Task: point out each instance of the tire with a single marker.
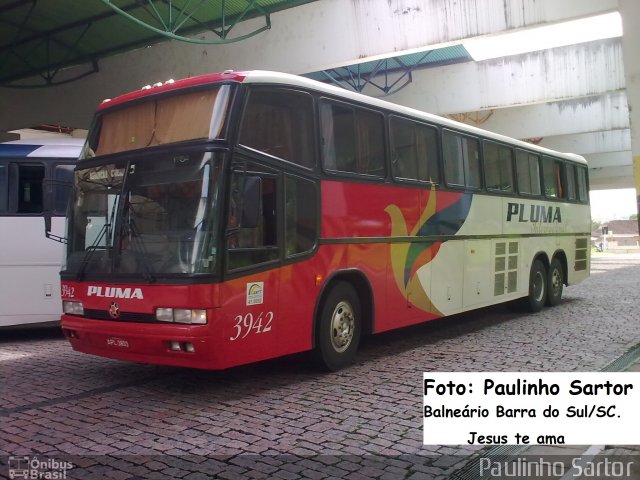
(338, 328)
(555, 282)
(537, 298)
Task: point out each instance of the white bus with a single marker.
(35, 176)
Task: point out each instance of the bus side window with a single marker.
(583, 192)
(414, 151)
(301, 215)
(554, 183)
(498, 167)
(4, 190)
(461, 160)
(339, 134)
(257, 244)
(29, 183)
(528, 173)
(571, 181)
(63, 184)
(352, 140)
(280, 123)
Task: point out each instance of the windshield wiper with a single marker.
(92, 248)
(138, 247)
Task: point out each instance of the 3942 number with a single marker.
(249, 324)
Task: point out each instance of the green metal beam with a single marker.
(170, 28)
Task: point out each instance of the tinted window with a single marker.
(63, 184)
(461, 160)
(528, 172)
(571, 181)
(352, 140)
(280, 123)
(30, 192)
(301, 215)
(414, 150)
(254, 244)
(554, 186)
(498, 167)
(4, 190)
(583, 192)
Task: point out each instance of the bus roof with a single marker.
(42, 148)
(277, 78)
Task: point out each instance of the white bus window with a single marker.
(63, 183)
(498, 167)
(583, 192)
(280, 123)
(461, 160)
(571, 181)
(4, 190)
(554, 186)
(528, 173)
(414, 151)
(30, 179)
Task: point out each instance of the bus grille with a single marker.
(124, 316)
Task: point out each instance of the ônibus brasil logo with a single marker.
(114, 292)
(40, 468)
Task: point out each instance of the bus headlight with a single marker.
(182, 315)
(199, 317)
(164, 314)
(72, 308)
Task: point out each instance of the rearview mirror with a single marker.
(47, 228)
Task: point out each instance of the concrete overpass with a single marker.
(573, 98)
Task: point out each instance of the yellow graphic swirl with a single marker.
(402, 265)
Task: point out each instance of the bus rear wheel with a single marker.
(537, 287)
(555, 282)
(339, 327)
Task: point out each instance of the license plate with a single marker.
(117, 342)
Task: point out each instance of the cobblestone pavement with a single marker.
(282, 419)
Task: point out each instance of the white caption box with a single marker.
(547, 408)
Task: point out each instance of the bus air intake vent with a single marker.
(581, 254)
(124, 316)
(505, 268)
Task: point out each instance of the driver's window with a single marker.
(252, 244)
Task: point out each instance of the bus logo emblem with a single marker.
(255, 293)
(114, 310)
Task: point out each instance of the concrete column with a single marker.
(630, 10)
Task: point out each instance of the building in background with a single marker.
(620, 235)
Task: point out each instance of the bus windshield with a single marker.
(144, 218)
(181, 117)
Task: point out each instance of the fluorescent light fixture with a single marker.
(534, 39)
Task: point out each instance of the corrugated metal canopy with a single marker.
(390, 74)
(41, 37)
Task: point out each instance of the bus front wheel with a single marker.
(339, 326)
(555, 282)
(537, 287)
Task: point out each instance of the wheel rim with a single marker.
(538, 286)
(342, 327)
(556, 281)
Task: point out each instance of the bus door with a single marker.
(250, 294)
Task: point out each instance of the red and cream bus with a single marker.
(235, 217)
